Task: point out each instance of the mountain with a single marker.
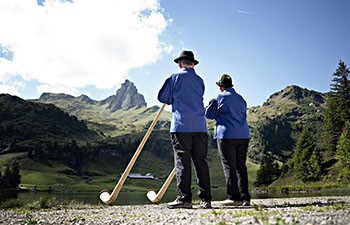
(126, 98)
(23, 121)
(122, 113)
(85, 99)
(276, 125)
(275, 128)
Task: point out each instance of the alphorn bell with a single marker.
(105, 195)
(156, 197)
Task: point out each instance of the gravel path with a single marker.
(312, 210)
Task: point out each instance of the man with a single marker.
(232, 134)
(184, 91)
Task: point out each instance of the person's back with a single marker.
(187, 106)
(231, 122)
(184, 91)
(232, 136)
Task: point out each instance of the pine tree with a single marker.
(268, 172)
(338, 108)
(15, 175)
(12, 177)
(314, 167)
(343, 147)
(301, 158)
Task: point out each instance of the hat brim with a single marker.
(185, 57)
(223, 85)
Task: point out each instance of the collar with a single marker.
(187, 69)
(230, 89)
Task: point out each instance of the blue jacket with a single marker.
(230, 112)
(184, 91)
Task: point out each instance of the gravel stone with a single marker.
(311, 210)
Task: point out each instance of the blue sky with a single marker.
(264, 45)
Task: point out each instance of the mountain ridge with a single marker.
(275, 128)
(122, 113)
(278, 122)
(126, 97)
(275, 125)
(26, 121)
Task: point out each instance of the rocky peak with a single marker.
(85, 99)
(45, 97)
(127, 97)
(296, 94)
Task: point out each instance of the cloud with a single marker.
(69, 45)
(246, 12)
(8, 89)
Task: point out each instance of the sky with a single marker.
(91, 46)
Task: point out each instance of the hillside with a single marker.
(277, 124)
(98, 161)
(122, 113)
(23, 123)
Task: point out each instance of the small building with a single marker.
(139, 176)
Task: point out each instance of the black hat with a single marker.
(186, 55)
(225, 81)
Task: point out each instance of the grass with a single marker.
(325, 208)
(6, 158)
(51, 174)
(290, 183)
(27, 205)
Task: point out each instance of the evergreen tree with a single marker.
(314, 167)
(13, 145)
(12, 177)
(6, 177)
(15, 175)
(302, 155)
(338, 108)
(268, 172)
(343, 148)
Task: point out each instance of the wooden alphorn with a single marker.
(156, 197)
(105, 195)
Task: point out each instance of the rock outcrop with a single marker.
(127, 97)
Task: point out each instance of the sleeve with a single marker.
(211, 110)
(165, 94)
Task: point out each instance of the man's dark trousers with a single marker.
(233, 153)
(187, 147)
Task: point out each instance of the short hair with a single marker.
(187, 62)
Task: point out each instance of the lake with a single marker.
(139, 198)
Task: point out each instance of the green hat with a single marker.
(225, 81)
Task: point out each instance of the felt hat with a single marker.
(225, 81)
(186, 55)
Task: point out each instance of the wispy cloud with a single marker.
(66, 45)
(246, 12)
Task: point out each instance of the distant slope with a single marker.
(123, 113)
(24, 121)
(277, 124)
(103, 164)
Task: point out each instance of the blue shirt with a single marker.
(230, 112)
(184, 91)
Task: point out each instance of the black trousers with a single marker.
(191, 147)
(233, 153)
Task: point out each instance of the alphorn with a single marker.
(105, 195)
(156, 197)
